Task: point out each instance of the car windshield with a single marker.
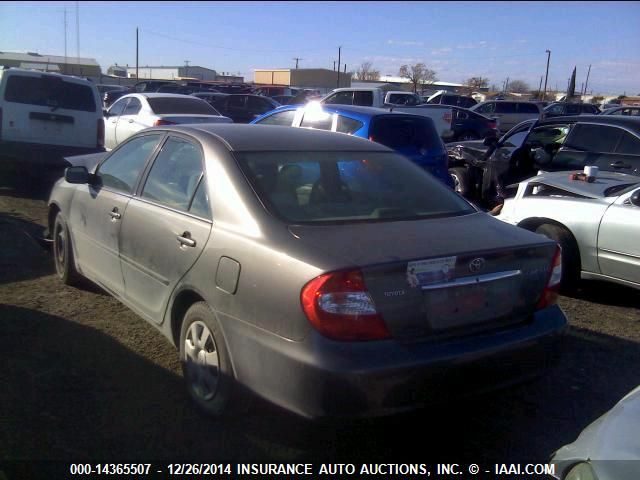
(347, 187)
(177, 105)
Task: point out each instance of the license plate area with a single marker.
(471, 304)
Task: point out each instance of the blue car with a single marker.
(413, 136)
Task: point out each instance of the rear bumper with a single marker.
(320, 377)
(42, 155)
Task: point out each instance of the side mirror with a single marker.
(105, 113)
(635, 198)
(490, 141)
(77, 175)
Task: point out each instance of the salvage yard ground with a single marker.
(84, 378)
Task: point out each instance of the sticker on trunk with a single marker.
(427, 272)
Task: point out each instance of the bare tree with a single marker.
(417, 74)
(519, 86)
(477, 83)
(366, 72)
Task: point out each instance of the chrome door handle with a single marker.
(114, 214)
(186, 240)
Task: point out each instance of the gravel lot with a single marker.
(85, 378)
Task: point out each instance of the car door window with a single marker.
(133, 107)
(175, 174)
(236, 102)
(486, 108)
(120, 170)
(364, 99)
(527, 108)
(200, 203)
(340, 98)
(555, 109)
(573, 109)
(280, 118)
(594, 138)
(629, 144)
(118, 107)
(461, 115)
(258, 105)
(516, 137)
(317, 121)
(505, 107)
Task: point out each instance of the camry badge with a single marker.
(476, 265)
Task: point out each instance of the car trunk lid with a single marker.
(481, 274)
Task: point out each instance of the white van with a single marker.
(46, 116)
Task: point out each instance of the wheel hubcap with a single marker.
(202, 362)
(60, 239)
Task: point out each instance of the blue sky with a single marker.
(456, 39)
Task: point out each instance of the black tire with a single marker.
(468, 135)
(570, 255)
(461, 180)
(63, 253)
(213, 388)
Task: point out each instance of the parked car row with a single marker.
(483, 169)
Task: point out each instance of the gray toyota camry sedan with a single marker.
(323, 272)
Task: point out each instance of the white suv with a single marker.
(46, 116)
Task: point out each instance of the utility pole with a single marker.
(587, 81)
(506, 85)
(137, 54)
(186, 68)
(334, 65)
(546, 76)
(540, 86)
(338, 82)
(297, 59)
(78, 30)
(65, 41)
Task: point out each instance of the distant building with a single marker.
(191, 72)
(321, 78)
(81, 67)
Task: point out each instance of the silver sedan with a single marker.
(323, 272)
(597, 224)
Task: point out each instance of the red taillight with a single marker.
(447, 117)
(493, 125)
(159, 123)
(100, 139)
(339, 306)
(550, 293)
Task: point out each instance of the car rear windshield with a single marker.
(399, 132)
(48, 91)
(165, 105)
(347, 187)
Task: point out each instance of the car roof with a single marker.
(349, 110)
(246, 137)
(629, 122)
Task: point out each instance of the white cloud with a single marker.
(441, 51)
(404, 42)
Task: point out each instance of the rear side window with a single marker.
(629, 144)
(118, 107)
(280, 118)
(348, 125)
(46, 91)
(236, 101)
(527, 108)
(340, 98)
(167, 105)
(594, 138)
(200, 202)
(320, 122)
(400, 132)
(505, 107)
(121, 169)
(175, 174)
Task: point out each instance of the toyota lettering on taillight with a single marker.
(339, 306)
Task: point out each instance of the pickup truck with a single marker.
(442, 115)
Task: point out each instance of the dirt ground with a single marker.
(84, 378)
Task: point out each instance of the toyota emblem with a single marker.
(476, 265)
